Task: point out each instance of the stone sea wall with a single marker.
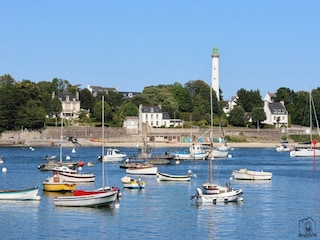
(52, 135)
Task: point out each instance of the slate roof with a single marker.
(277, 108)
(63, 96)
(151, 109)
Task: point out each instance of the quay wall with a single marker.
(50, 135)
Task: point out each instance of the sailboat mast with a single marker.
(310, 116)
(61, 139)
(146, 142)
(102, 141)
(211, 134)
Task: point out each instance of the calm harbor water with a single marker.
(281, 208)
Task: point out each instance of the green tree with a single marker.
(258, 115)
(140, 99)
(55, 108)
(8, 107)
(114, 99)
(316, 99)
(249, 99)
(288, 97)
(300, 116)
(97, 111)
(182, 97)
(161, 95)
(129, 109)
(125, 110)
(46, 92)
(31, 116)
(87, 101)
(6, 80)
(200, 94)
(60, 85)
(236, 117)
(27, 90)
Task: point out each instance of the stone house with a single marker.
(70, 105)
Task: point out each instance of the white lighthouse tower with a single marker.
(215, 72)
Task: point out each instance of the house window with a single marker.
(151, 116)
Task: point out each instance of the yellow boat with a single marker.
(55, 184)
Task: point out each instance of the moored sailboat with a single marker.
(104, 196)
(310, 151)
(211, 192)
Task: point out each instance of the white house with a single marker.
(230, 105)
(156, 117)
(276, 112)
(70, 105)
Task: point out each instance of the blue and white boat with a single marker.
(196, 152)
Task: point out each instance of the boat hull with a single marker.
(59, 187)
(284, 148)
(52, 166)
(142, 170)
(305, 152)
(169, 177)
(244, 174)
(23, 194)
(113, 155)
(196, 152)
(188, 156)
(219, 154)
(55, 184)
(77, 177)
(97, 199)
(113, 159)
(229, 196)
(132, 183)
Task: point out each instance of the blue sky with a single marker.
(130, 44)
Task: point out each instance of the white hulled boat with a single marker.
(245, 174)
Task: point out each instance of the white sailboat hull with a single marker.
(305, 152)
(244, 174)
(228, 196)
(219, 153)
